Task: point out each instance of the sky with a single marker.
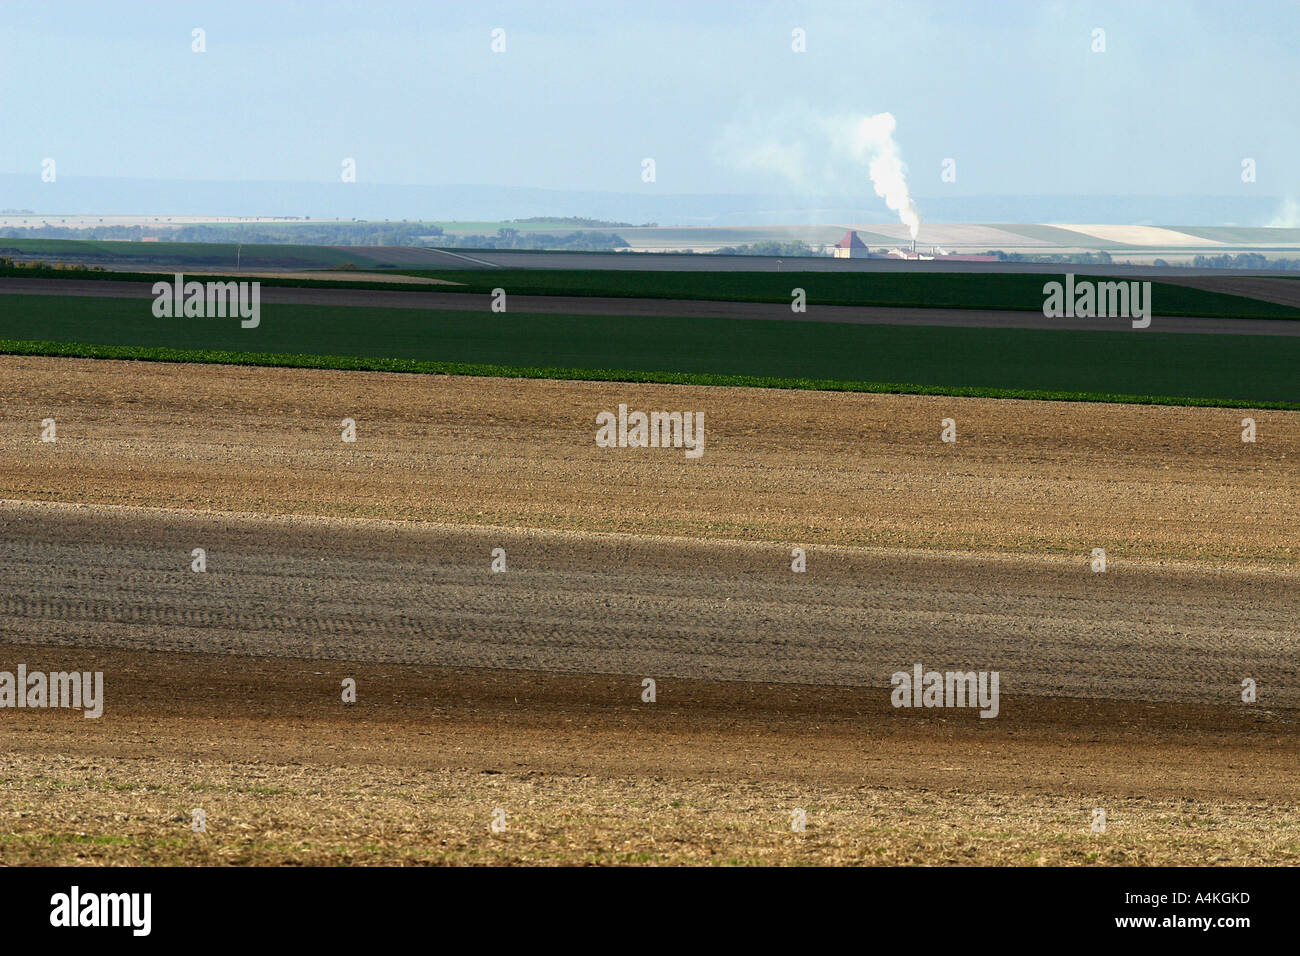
(1013, 93)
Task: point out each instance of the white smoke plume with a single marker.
(819, 153)
(1288, 217)
(873, 140)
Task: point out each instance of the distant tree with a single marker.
(793, 249)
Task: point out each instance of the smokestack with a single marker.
(913, 247)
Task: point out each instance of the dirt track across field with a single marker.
(522, 690)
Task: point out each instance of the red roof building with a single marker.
(850, 247)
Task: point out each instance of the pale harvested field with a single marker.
(1152, 236)
(326, 560)
(968, 237)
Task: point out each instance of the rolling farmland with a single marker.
(329, 561)
(370, 561)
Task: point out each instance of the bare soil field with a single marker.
(522, 691)
(364, 590)
(586, 773)
(1265, 288)
(809, 468)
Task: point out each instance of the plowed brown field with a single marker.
(523, 690)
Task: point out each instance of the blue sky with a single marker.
(585, 91)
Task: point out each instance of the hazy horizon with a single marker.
(1009, 100)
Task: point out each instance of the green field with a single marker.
(960, 290)
(920, 289)
(146, 274)
(189, 253)
(1206, 369)
(1002, 291)
(163, 255)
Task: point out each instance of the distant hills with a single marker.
(84, 195)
